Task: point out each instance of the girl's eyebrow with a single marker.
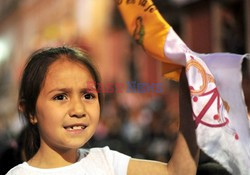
(60, 90)
(87, 89)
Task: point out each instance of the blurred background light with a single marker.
(5, 47)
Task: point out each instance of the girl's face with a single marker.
(67, 113)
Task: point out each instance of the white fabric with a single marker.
(96, 161)
(219, 109)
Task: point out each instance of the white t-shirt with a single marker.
(96, 161)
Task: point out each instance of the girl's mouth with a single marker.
(74, 127)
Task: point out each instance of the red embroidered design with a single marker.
(206, 98)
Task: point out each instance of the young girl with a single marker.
(62, 112)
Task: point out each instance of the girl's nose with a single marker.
(77, 108)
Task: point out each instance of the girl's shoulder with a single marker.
(18, 169)
(103, 153)
(25, 168)
(100, 159)
(106, 159)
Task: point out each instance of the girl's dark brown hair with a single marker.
(32, 81)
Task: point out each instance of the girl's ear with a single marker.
(21, 107)
(33, 119)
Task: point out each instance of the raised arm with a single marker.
(186, 152)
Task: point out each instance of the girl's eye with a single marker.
(60, 97)
(89, 96)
